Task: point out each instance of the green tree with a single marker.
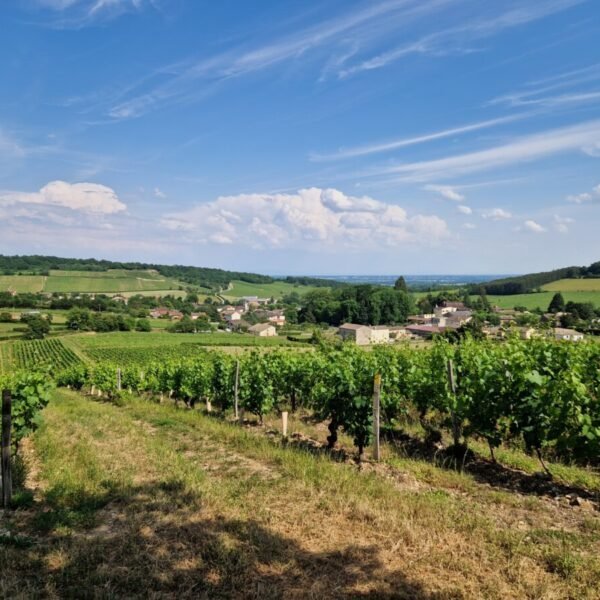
(143, 325)
(557, 304)
(400, 284)
(37, 328)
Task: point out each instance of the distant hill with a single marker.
(214, 279)
(522, 284)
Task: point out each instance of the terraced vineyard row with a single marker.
(36, 354)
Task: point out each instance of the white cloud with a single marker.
(314, 217)
(465, 210)
(526, 148)
(579, 198)
(592, 149)
(585, 196)
(420, 139)
(496, 214)
(159, 193)
(446, 191)
(453, 39)
(533, 226)
(85, 197)
(561, 224)
(79, 13)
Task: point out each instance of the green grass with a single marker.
(22, 283)
(574, 285)
(109, 281)
(145, 500)
(276, 289)
(542, 299)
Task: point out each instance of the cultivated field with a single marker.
(22, 283)
(112, 281)
(276, 289)
(574, 285)
(542, 299)
(146, 500)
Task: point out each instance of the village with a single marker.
(256, 316)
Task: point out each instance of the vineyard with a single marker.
(540, 395)
(36, 354)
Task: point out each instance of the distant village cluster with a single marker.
(452, 316)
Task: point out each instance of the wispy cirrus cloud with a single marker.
(378, 147)
(80, 13)
(199, 78)
(525, 148)
(458, 38)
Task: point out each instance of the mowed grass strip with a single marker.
(146, 500)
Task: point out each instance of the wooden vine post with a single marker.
(284, 423)
(376, 415)
(119, 380)
(452, 385)
(5, 453)
(236, 387)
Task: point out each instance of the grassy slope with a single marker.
(22, 283)
(574, 285)
(266, 290)
(542, 299)
(149, 501)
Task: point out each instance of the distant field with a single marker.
(573, 285)
(146, 341)
(542, 299)
(276, 289)
(22, 283)
(113, 281)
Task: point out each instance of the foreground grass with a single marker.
(146, 500)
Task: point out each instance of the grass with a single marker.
(542, 299)
(146, 500)
(574, 285)
(22, 283)
(276, 289)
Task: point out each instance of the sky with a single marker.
(305, 136)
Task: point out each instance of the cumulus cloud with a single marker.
(585, 196)
(533, 226)
(445, 191)
(315, 216)
(159, 193)
(496, 214)
(561, 224)
(465, 210)
(84, 197)
(579, 198)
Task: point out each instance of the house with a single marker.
(380, 334)
(422, 319)
(449, 307)
(363, 335)
(276, 317)
(527, 333)
(359, 334)
(166, 313)
(263, 330)
(397, 333)
(424, 331)
(571, 335)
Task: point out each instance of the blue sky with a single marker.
(320, 137)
